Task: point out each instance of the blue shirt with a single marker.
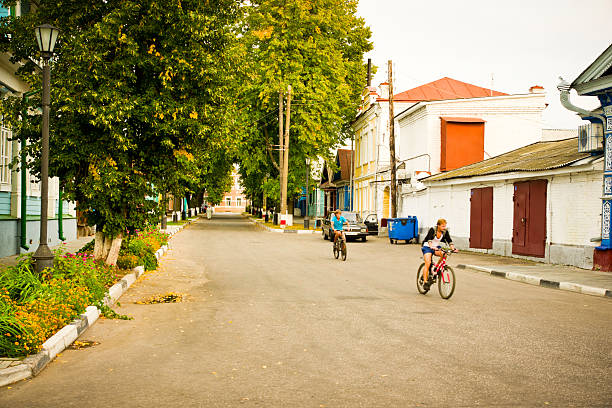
(338, 223)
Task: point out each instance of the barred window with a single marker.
(5, 156)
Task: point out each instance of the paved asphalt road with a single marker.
(272, 320)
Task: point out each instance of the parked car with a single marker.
(371, 222)
(357, 229)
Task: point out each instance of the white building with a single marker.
(442, 135)
(439, 126)
(535, 202)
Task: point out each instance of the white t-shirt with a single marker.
(435, 242)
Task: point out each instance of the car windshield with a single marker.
(351, 217)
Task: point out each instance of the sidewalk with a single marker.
(547, 275)
(74, 245)
(69, 246)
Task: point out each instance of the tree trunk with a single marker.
(107, 245)
(99, 245)
(114, 247)
(164, 219)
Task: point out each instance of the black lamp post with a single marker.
(46, 35)
(307, 218)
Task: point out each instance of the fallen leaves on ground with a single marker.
(77, 345)
(169, 297)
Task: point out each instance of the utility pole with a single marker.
(392, 145)
(280, 149)
(283, 204)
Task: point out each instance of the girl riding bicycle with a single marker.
(431, 246)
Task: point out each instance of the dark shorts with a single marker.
(428, 250)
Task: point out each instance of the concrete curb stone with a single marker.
(33, 364)
(537, 281)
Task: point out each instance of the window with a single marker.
(228, 201)
(5, 156)
(239, 202)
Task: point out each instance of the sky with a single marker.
(520, 43)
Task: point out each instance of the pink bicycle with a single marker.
(441, 273)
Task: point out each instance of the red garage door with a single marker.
(481, 218)
(529, 232)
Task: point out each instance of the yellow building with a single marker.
(371, 129)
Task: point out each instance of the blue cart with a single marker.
(403, 229)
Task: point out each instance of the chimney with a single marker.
(384, 90)
(537, 89)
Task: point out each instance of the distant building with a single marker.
(336, 184)
(234, 201)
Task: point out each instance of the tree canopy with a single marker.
(317, 47)
(137, 89)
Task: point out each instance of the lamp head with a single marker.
(46, 36)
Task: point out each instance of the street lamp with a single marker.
(306, 218)
(46, 35)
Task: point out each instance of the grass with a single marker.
(180, 222)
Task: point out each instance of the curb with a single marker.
(282, 231)
(537, 281)
(33, 364)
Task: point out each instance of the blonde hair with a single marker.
(441, 221)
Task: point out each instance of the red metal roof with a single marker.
(445, 88)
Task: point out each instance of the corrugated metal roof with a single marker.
(444, 88)
(535, 157)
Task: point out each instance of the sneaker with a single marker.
(426, 285)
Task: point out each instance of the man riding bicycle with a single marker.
(337, 225)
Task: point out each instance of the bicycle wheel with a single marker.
(336, 251)
(446, 283)
(343, 251)
(419, 280)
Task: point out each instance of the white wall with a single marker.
(510, 122)
(571, 224)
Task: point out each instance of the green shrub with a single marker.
(127, 261)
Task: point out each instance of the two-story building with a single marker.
(439, 126)
(234, 201)
(371, 137)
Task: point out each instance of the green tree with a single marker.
(317, 47)
(137, 87)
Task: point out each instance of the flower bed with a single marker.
(34, 306)
(139, 249)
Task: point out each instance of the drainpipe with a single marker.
(24, 208)
(60, 217)
(564, 89)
